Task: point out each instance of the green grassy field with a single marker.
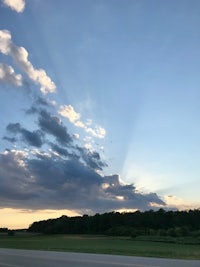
(101, 244)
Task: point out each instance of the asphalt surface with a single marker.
(33, 258)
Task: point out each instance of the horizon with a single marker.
(100, 214)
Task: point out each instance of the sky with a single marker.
(99, 104)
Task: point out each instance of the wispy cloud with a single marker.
(74, 117)
(20, 56)
(16, 5)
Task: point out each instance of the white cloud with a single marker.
(91, 131)
(5, 42)
(74, 117)
(39, 153)
(52, 102)
(89, 143)
(16, 5)
(88, 122)
(8, 75)
(69, 112)
(76, 136)
(99, 132)
(80, 124)
(87, 139)
(88, 146)
(20, 56)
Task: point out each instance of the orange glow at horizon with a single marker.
(21, 219)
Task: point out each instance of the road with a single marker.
(33, 258)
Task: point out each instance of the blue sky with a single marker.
(105, 96)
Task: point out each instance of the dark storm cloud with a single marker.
(49, 181)
(127, 195)
(52, 125)
(31, 110)
(56, 173)
(49, 123)
(92, 158)
(42, 101)
(64, 152)
(13, 127)
(10, 139)
(15, 182)
(34, 138)
(60, 150)
(38, 102)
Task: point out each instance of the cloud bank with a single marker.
(53, 171)
(43, 181)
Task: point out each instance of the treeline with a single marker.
(161, 222)
(7, 231)
(3, 230)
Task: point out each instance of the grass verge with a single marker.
(101, 244)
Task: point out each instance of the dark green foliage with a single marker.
(3, 230)
(151, 223)
(11, 232)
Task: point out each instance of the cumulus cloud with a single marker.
(92, 159)
(98, 132)
(15, 182)
(16, 5)
(8, 75)
(69, 112)
(59, 150)
(20, 56)
(53, 125)
(74, 117)
(34, 138)
(48, 181)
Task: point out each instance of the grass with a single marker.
(101, 244)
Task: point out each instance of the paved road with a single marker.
(32, 258)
